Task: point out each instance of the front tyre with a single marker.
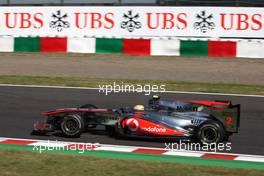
(210, 132)
(72, 125)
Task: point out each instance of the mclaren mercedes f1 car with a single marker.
(202, 121)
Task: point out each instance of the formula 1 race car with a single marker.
(203, 121)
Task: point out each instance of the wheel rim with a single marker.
(209, 134)
(71, 126)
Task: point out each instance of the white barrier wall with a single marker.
(165, 47)
(81, 45)
(253, 49)
(6, 44)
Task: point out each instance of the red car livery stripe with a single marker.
(207, 103)
(59, 111)
(145, 127)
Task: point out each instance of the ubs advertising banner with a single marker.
(132, 21)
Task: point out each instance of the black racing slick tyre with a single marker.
(72, 125)
(210, 132)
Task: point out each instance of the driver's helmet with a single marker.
(139, 108)
(155, 97)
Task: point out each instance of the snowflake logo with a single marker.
(59, 21)
(130, 21)
(204, 22)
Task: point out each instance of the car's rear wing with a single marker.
(228, 115)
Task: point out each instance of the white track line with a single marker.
(92, 88)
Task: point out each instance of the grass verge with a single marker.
(27, 163)
(170, 85)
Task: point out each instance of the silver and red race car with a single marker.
(203, 121)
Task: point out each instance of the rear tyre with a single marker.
(210, 132)
(72, 126)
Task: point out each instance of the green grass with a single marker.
(170, 85)
(26, 163)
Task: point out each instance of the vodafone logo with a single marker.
(155, 130)
(132, 124)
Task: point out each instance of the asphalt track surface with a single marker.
(246, 71)
(21, 106)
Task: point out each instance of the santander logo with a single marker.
(132, 124)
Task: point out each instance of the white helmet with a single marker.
(139, 108)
